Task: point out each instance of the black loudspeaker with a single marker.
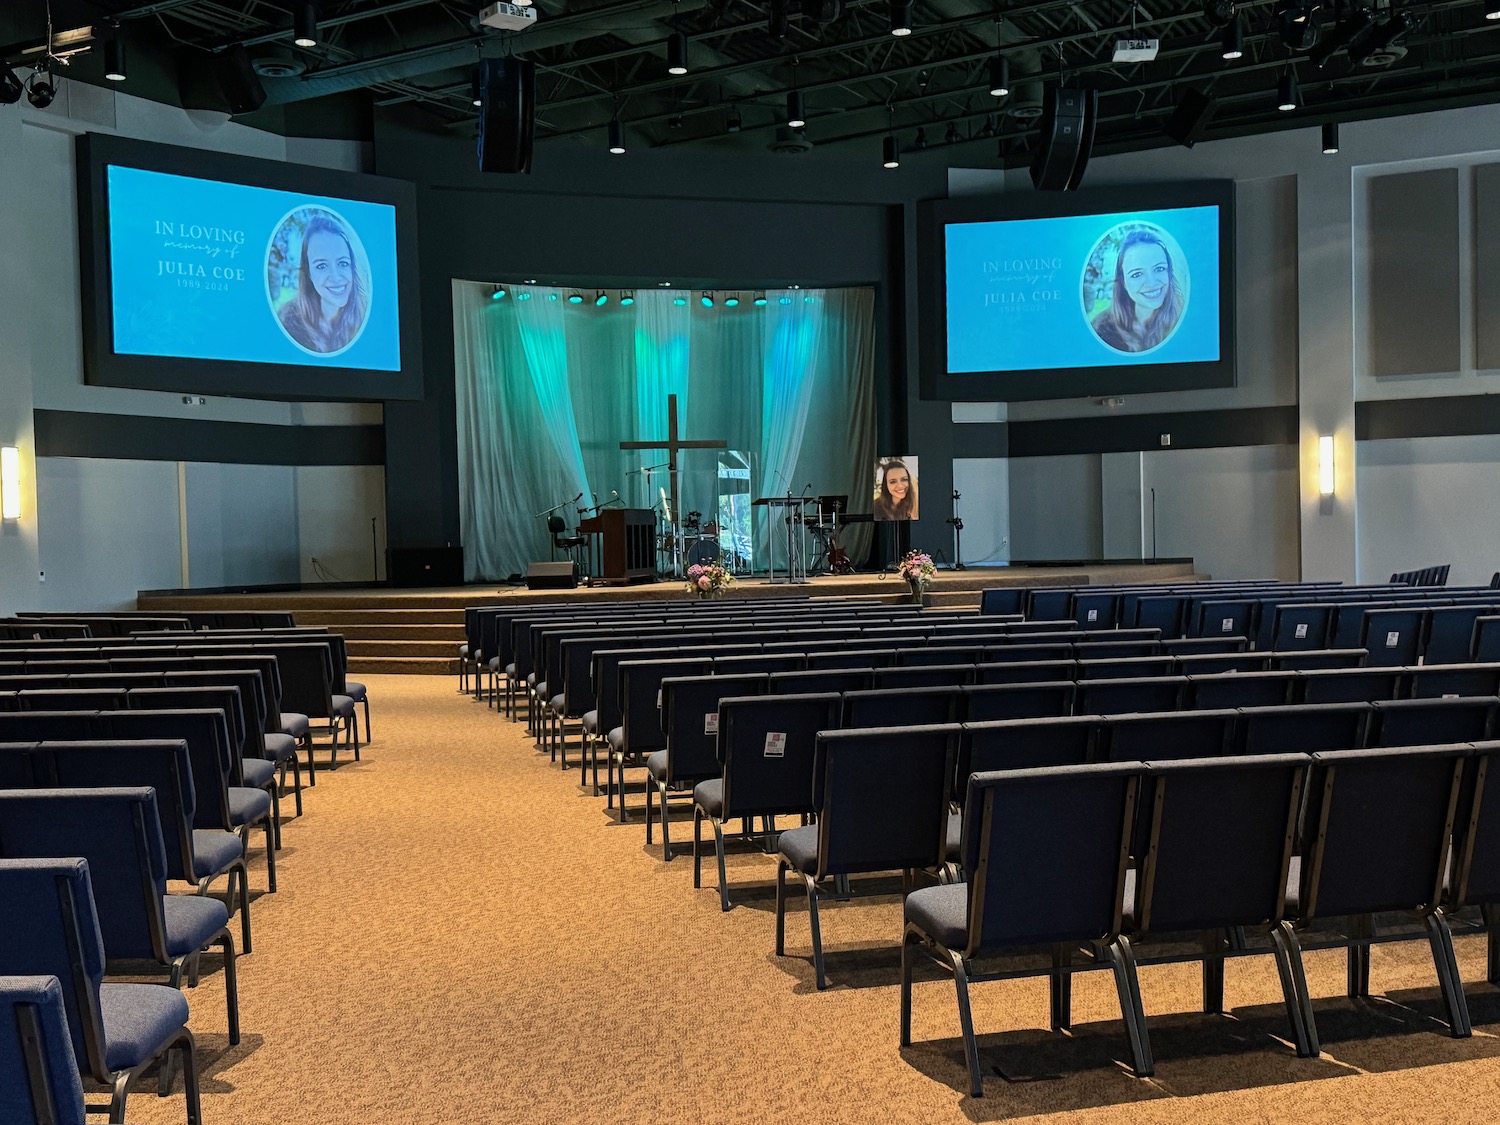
(552, 576)
(1067, 138)
(1191, 117)
(225, 81)
(507, 115)
(425, 566)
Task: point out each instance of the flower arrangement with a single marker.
(919, 571)
(708, 581)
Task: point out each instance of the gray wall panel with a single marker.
(1487, 266)
(1412, 249)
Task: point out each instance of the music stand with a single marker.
(796, 568)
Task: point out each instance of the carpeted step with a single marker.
(403, 666)
(435, 615)
(447, 650)
(453, 633)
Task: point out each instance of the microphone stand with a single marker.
(958, 534)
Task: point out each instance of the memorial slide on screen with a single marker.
(201, 269)
(1138, 287)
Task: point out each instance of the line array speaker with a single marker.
(1067, 138)
(507, 114)
(220, 82)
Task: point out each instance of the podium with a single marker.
(796, 568)
(629, 550)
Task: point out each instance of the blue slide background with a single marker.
(1022, 330)
(230, 318)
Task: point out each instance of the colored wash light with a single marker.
(575, 299)
(551, 296)
(679, 300)
(731, 301)
(708, 301)
(523, 296)
(601, 300)
(498, 294)
(761, 300)
(627, 299)
(786, 300)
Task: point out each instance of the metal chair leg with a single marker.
(817, 931)
(1129, 988)
(1294, 989)
(966, 1023)
(1449, 981)
(1062, 988)
(908, 940)
(718, 828)
(780, 909)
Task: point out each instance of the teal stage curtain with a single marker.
(548, 389)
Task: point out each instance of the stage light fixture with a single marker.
(498, 293)
(999, 76)
(601, 299)
(11, 88)
(627, 297)
(575, 298)
(1382, 38)
(1234, 40)
(679, 301)
(778, 19)
(1492, 9)
(921, 141)
(1341, 37)
(708, 300)
(1330, 137)
(1287, 95)
(734, 122)
(40, 90)
(796, 112)
(807, 300)
(900, 17)
(1299, 23)
(616, 137)
(677, 53)
(731, 301)
(783, 300)
(305, 30)
(760, 300)
(114, 56)
(523, 296)
(551, 296)
(892, 153)
(10, 483)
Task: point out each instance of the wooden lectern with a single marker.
(629, 552)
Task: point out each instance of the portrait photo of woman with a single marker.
(318, 281)
(896, 488)
(1135, 287)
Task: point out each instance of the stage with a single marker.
(418, 630)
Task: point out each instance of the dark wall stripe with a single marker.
(134, 437)
(1382, 419)
(981, 439)
(1126, 433)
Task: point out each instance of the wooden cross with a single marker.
(672, 445)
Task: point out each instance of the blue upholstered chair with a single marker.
(39, 1083)
(117, 1030)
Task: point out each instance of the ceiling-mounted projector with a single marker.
(1136, 50)
(508, 17)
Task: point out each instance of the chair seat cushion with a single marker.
(941, 912)
(591, 722)
(293, 724)
(355, 691)
(656, 765)
(258, 772)
(192, 922)
(709, 796)
(246, 806)
(510, 669)
(800, 847)
(342, 706)
(540, 689)
(139, 1019)
(558, 704)
(215, 850)
(280, 747)
(616, 738)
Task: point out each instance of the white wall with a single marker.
(102, 529)
(1056, 508)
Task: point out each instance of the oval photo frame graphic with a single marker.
(283, 258)
(1097, 282)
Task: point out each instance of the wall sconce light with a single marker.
(1325, 465)
(10, 483)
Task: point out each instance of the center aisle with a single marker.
(464, 936)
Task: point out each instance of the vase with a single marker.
(917, 587)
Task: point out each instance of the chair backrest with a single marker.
(1013, 653)
(1486, 644)
(118, 832)
(1016, 744)
(1025, 671)
(817, 680)
(1129, 667)
(1300, 626)
(940, 654)
(38, 1070)
(1476, 836)
(1116, 697)
(1319, 658)
(1438, 681)
(1221, 833)
(1164, 613)
(1450, 633)
(60, 939)
(1241, 689)
(930, 675)
(206, 733)
(882, 798)
(1392, 637)
(1303, 728)
(690, 715)
(1049, 605)
(1097, 609)
(984, 703)
(1349, 685)
(851, 658)
(1006, 599)
(1426, 722)
(641, 698)
(1046, 853)
(165, 766)
(767, 746)
(1379, 823)
(759, 662)
(1173, 735)
(71, 699)
(1231, 617)
(900, 707)
(1214, 663)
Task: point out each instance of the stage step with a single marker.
(435, 615)
(362, 632)
(402, 666)
(444, 650)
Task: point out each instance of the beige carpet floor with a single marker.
(463, 935)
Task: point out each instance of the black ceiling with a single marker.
(600, 58)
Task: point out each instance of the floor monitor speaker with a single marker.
(507, 114)
(1191, 117)
(1067, 138)
(552, 576)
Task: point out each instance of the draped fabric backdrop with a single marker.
(547, 391)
